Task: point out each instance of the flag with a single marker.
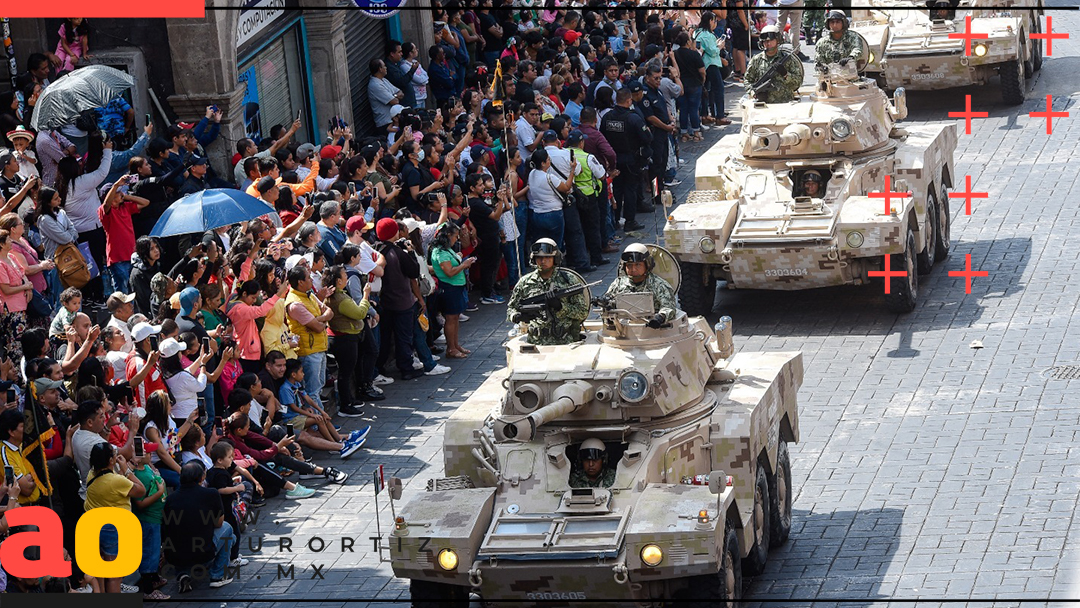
(497, 91)
(36, 433)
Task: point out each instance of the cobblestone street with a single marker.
(937, 458)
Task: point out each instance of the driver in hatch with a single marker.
(811, 184)
(594, 472)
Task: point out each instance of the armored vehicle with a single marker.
(698, 473)
(751, 223)
(911, 47)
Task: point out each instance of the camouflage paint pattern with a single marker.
(920, 55)
(522, 535)
(750, 228)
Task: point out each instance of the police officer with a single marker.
(593, 472)
(560, 321)
(841, 45)
(784, 82)
(629, 136)
(636, 276)
(655, 109)
(812, 184)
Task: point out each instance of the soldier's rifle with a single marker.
(549, 302)
(778, 68)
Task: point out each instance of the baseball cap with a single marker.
(546, 116)
(187, 300)
(411, 224)
(118, 299)
(44, 384)
(575, 138)
(305, 151)
(329, 151)
(197, 160)
(550, 135)
(144, 330)
(651, 50)
(570, 37)
(265, 184)
(295, 259)
(172, 346)
(397, 109)
(357, 223)
(635, 86)
(478, 150)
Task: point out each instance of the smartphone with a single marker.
(219, 422)
(148, 119)
(206, 344)
(299, 113)
(11, 395)
(214, 108)
(202, 411)
(140, 451)
(289, 431)
(9, 476)
(154, 342)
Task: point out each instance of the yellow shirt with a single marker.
(310, 341)
(12, 457)
(275, 332)
(111, 490)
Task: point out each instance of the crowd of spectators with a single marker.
(203, 373)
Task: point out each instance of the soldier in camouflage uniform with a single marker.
(636, 276)
(593, 472)
(560, 321)
(813, 19)
(785, 81)
(841, 45)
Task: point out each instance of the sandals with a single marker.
(454, 354)
(685, 138)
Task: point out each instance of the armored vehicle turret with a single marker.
(695, 483)
(794, 200)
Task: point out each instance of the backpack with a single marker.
(72, 266)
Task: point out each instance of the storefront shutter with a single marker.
(365, 39)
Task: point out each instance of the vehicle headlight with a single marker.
(872, 57)
(651, 555)
(448, 559)
(841, 129)
(855, 239)
(633, 386)
(707, 244)
(980, 50)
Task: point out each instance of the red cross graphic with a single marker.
(888, 195)
(1049, 36)
(968, 274)
(967, 115)
(1049, 115)
(968, 36)
(888, 274)
(968, 195)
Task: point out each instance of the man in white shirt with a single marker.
(577, 256)
(525, 127)
(119, 305)
(382, 94)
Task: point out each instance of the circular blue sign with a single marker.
(380, 9)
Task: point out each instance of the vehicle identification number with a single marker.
(930, 76)
(786, 272)
(555, 595)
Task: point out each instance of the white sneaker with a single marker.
(416, 364)
(438, 370)
(126, 588)
(381, 379)
(462, 318)
(239, 561)
(435, 357)
(441, 339)
(219, 583)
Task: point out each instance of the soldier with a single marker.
(784, 80)
(941, 11)
(594, 472)
(841, 45)
(636, 276)
(560, 321)
(811, 184)
(814, 19)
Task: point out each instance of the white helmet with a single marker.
(592, 449)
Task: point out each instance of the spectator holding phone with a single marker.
(115, 216)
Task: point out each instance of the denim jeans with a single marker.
(117, 275)
(510, 254)
(690, 110)
(549, 225)
(52, 296)
(420, 345)
(714, 102)
(151, 552)
(314, 375)
(224, 539)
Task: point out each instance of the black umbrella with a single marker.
(73, 93)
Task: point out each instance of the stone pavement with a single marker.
(927, 468)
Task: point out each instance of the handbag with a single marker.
(570, 198)
(38, 308)
(71, 265)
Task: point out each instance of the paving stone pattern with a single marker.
(927, 469)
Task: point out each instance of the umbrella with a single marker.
(84, 89)
(207, 210)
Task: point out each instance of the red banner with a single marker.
(106, 9)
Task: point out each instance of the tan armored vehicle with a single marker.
(911, 47)
(696, 441)
(753, 222)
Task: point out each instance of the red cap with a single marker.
(386, 229)
(329, 151)
(235, 159)
(356, 223)
(571, 36)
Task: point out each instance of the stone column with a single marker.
(329, 71)
(418, 28)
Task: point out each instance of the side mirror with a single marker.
(717, 481)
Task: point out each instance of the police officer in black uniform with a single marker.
(630, 136)
(655, 109)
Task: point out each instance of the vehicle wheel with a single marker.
(721, 589)
(1029, 64)
(1012, 83)
(696, 294)
(760, 521)
(1036, 51)
(904, 293)
(426, 594)
(944, 232)
(926, 257)
(780, 492)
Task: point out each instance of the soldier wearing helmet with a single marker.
(784, 80)
(560, 321)
(636, 276)
(593, 472)
(941, 10)
(812, 184)
(841, 45)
